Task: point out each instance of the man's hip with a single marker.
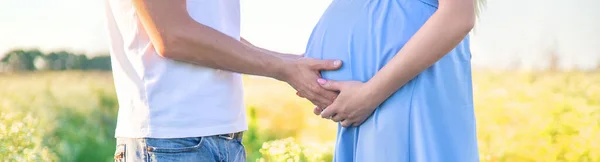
(217, 148)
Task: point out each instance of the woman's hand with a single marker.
(352, 106)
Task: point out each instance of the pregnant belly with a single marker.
(362, 51)
(360, 58)
(364, 38)
(335, 51)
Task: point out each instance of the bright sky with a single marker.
(509, 30)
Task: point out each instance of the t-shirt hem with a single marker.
(182, 132)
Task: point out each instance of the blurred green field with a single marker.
(521, 116)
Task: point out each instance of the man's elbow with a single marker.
(165, 51)
(169, 46)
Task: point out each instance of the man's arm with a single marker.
(281, 55)
(175, 35)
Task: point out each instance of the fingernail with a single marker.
(321, 81)
(337, 62)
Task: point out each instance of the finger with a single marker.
(316, 97)
(319, 101)
(330, 84)
(329, 111)
(356, 124)
(329, 95)
(325, 64)
(317, 110)
(320, 104)
(300, 94)
(338, 117)
(346, 123)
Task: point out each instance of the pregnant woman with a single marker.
(405, 82)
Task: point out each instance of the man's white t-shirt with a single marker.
(163, 98)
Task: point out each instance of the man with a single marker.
(175, 66)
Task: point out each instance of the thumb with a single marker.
(327, 64)
(330, 84)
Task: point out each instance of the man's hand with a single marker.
(301, 73)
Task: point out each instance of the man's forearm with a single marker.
(201, 45)
(282, 55)
(176, 35)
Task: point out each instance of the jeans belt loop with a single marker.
(228, 136)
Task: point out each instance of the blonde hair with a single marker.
(479, 5)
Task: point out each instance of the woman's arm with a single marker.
(438, 36)
(446, 28)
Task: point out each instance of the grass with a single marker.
(521, 116)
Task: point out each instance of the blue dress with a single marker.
(429, 119)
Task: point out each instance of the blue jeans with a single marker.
(201, 149)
